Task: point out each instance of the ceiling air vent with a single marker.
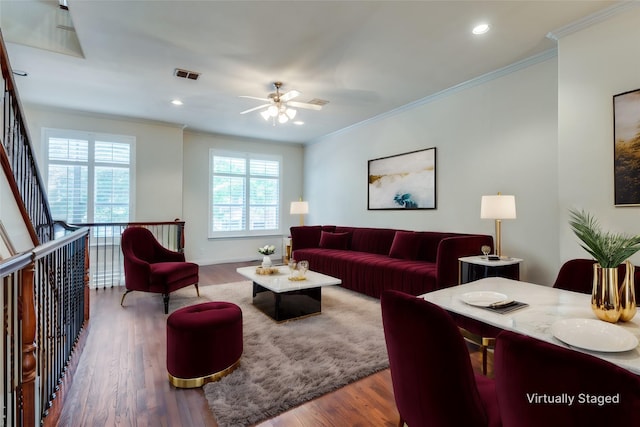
(186, 74)
(317, 101)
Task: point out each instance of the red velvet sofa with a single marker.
(370, 260)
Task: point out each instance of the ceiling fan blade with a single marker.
(255, 97)
(289, 95)
(255, 108)
(304, 105)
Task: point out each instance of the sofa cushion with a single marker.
(405, 245)
(330, 240)
(372, 240)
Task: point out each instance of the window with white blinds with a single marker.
(89, 176)
(244, 194)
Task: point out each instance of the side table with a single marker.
(478, 267)
(286, 249)
(475, 268)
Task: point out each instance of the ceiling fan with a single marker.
(278, 105)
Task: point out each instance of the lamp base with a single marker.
(498, 238)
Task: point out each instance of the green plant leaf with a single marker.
(609, 249)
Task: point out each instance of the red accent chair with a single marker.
(528, 371)
(150, 267)
(433, 381)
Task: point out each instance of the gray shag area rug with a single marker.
(286, 364)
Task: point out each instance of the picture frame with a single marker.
(404, 181)
(7, 250)
(626, 148)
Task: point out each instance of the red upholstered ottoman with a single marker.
(204, 343)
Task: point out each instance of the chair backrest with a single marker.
(139, 242)
(433, 380)
(535, 381)
(577, 275)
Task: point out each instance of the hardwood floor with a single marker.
(121, 379)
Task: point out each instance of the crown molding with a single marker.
(496, 74)
(555, 35)
(592, 19)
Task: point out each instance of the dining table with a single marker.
(549, 314)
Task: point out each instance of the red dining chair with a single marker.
(433, 381)
(535, 381)
(150, 267)
(577, 275)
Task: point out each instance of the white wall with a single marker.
(543, 133)
(198, 246)
(172, 176)
(498, 136)
(594, 64)
(158, 192)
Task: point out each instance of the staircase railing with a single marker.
(18, 160)
(44, 297)
(51, 281)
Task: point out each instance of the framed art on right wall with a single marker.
(626, 148)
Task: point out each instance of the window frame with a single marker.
(246, 232)
(92, 164)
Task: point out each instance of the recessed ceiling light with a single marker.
(298, 122)
(481, 29)
(176, 102)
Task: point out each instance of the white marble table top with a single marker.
(483, 260)
(279, 282)
(546, 305)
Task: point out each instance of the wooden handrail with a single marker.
(15, 263)
(16, 152)
(13, 185)
(128, 224)
(49, 247)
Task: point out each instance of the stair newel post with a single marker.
(27, 315)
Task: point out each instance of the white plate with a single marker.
(595, 335)
(483, 298)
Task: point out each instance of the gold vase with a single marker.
(627, 294)
(605, 299)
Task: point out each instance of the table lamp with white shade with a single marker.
(299, 208)
(498, 207)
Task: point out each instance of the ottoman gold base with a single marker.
(199, 382)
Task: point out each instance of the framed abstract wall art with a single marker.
(403, 181)
(626, 146)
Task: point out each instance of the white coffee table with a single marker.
(283, 299)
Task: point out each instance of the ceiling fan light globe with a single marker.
(265, 114)
(272, 110)
(291, 113)
(282, 118)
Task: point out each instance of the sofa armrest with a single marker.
(452, 248)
